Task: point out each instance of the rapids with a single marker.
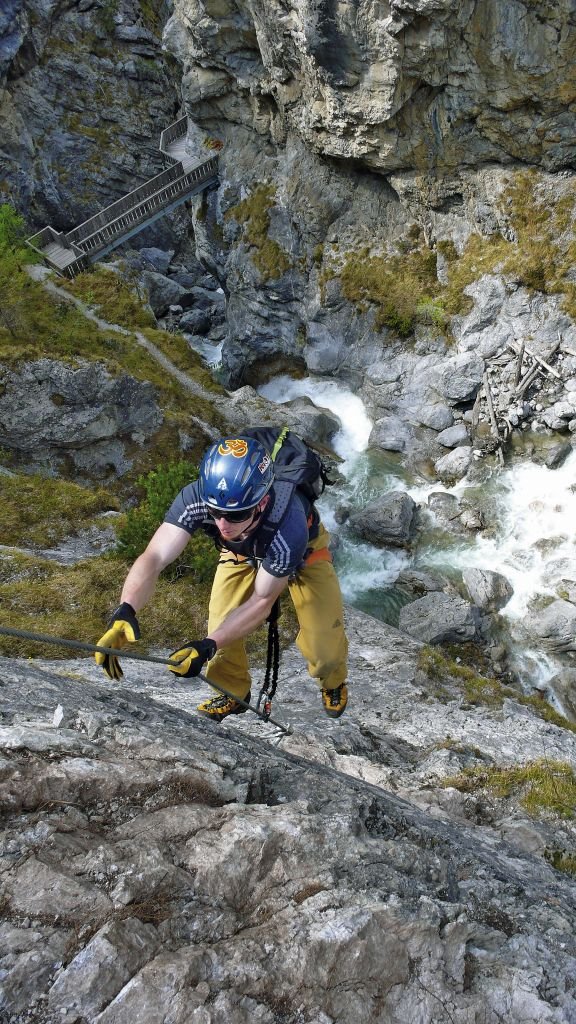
(530, 536)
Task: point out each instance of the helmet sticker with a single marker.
(222, 486)
(263, 466)
(237, 447)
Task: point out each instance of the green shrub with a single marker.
(161, 487)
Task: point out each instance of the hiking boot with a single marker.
(335, 701)
(221, 706)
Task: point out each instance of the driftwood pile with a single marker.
(531, 372)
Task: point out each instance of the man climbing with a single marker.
(270, 537)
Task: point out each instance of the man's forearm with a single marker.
(242, 621)
(141, 581)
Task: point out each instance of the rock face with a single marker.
(426, 84)
(154, 860)
(86, 92)
(51, 412)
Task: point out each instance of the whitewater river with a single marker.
(530, 540)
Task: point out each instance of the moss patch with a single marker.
(254, 214)
(39, 512)
(478, 689)
(542, 786)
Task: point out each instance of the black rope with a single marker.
(270, 683)
(79, 645)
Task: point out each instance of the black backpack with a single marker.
(294, 461)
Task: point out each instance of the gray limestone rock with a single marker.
(50, 411)
(454, 436)
(253, 872)
(440, 618)
(435, 415)
(455, 464)
(386, 521)
(390, 433)
(554, 625)
(460, 377)
(162, 291)
(489, 590)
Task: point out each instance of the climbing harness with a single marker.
(80, 645)
(270, 683)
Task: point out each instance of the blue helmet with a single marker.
(235, 474)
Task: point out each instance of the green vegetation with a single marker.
(561, 860)
(75, 601)
(543, 786)
(35, 511)
(403, 288)
(14, 256)
(477, 689)
(253, 213)
(396, 285)
(161, 487)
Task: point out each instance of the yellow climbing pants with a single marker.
(315, 593)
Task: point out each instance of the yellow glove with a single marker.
(192, 657)
(124, 629)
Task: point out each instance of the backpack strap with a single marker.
(279, 442)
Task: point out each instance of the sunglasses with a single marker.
(231, 517)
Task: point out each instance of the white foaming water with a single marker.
(532, 515)
(533, 543)
(352, 438)
(361, 566)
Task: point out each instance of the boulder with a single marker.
(162, 291)
(460, 377)
(489, 590)
(386, 521)
(455, 464)
(440, 618)
(390, 433)
(419, 582)
(454, 437)
(435, 415)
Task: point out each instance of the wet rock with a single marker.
(454, 436)
(386, 521)
(554, 625)
(488, 590)
(557, 455)
(390, 433)
(196, 321)
(454, 465)
(418, 582)
(563, 686)
(440, 618)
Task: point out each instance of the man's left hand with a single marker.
(192, 657)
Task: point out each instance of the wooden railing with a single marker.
(110, 213)
(70, 252)
(171, 133)
(143, 211)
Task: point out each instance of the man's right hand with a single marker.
(123, 629)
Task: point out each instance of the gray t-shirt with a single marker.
(280, 550)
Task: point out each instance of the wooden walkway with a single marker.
(70, 252)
